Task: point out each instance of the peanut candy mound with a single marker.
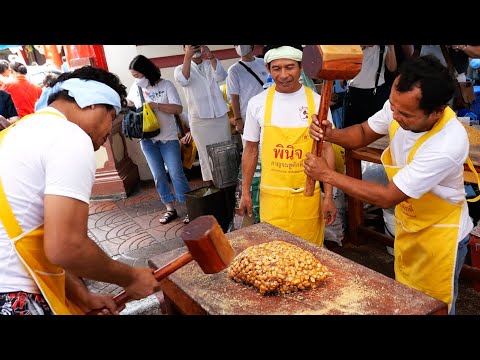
(277, 267)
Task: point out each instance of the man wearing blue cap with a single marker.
(47, 171)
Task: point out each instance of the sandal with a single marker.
(186, 220)
(168, 216)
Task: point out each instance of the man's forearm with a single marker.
(249, 164)
(329, 156)
(353, 137)
(84, 258)
(235, 102)
(382, 196)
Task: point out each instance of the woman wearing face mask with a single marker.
(200, 75)
(163, 149)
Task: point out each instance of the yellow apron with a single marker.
(426, 230)
(29, 247)
(282, 202)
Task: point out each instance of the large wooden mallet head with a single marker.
(332, 62)
(329, 62)
(206, 244)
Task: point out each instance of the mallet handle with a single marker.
(317, 145)
(159, 274)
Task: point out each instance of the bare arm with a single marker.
(187, 61)
(329, 155)
(351, 137)
(382, 196)
(77, 292)
(391, 59)
(408, 51)
(168, 108)
(470, 50)
(249, 164)
(329, 209)
(66, 244)
(235, 102)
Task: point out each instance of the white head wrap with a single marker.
(85, 93)
(283, 52)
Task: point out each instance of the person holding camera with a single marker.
(199, 76)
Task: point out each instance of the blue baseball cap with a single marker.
(475, 63)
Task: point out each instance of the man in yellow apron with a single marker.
(424, 162)
(279, 119)
(47, 170)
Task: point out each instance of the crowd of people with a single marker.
(400, 92)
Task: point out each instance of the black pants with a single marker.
(360, 104)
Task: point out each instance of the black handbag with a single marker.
(132, 123)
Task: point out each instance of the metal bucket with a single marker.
(224, 159)
(210, 200)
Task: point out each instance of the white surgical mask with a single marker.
(142, 82)
(243, 50)
(197, 55)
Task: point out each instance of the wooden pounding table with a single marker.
(356, 231)
(351, 289)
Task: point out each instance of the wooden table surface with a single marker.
(352, 289)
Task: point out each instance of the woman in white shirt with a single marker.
(163, 149)
(207, 110)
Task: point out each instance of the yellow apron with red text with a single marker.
(49, 278)
(282, 202)
(426, 231)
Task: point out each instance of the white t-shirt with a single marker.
(367, 75)
(288, 111)
(45, 154)
(163, 92)
(437, 165)
(241, 82)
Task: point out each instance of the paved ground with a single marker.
(129, 230)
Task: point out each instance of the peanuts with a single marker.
(277, 267)
(473, 135)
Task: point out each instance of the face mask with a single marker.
(197, 55)
(142, 82)
(243, 50)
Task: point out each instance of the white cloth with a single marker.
(202, 92)
(206, 132)
(283, 52)
(241, 82)
(367, 75)
(288, 111)
(45, 154)
(437, 165)
(163, 92)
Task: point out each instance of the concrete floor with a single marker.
(129, 230)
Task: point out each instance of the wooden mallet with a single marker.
(329, 62)
(207, 245)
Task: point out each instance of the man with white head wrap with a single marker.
(278, 119)
(47, 170)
